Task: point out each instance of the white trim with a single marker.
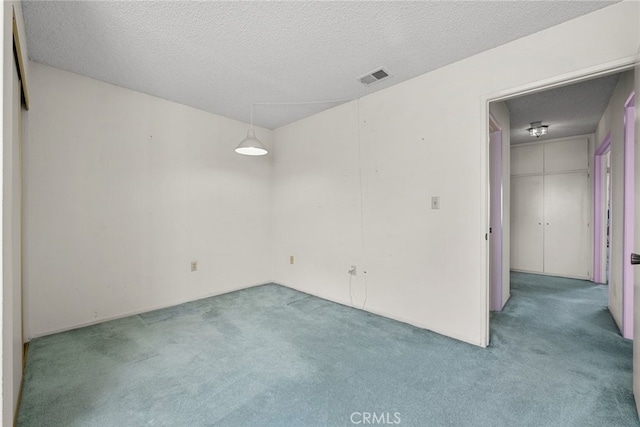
(551, 141)
(382, 313)
(145, 310)
(588, 73)
(607, 68)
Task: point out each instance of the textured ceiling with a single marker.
(222, 56)
(567, 110)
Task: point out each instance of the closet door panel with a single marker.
(527, 160)
(526, 223)
(566, 232)
(569, 155)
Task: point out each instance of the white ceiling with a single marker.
(568, 110)
(222, 56)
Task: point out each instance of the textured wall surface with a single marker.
(353, 185)
(122, 192)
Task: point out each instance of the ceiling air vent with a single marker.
(374, 77)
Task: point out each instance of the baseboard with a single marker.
(25, 350)
(549, 274)
(141, 311)
(504, 304)
(345, 303)
(439, 331)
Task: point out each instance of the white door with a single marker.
(526, 223)
(636, 270)
(566, 234)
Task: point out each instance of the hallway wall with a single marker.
(500, 112)
(612, 121)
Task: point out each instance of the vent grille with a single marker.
(374, 77)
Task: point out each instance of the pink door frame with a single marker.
(496, 206)
(629, 212)
(599, 173)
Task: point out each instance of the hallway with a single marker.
(559, 337)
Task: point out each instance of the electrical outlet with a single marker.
(291, 259)
(194, 265)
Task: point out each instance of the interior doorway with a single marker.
(591, 272)
(602, 211)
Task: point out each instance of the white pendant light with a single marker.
(251, 145)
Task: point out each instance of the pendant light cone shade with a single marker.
(251, 146)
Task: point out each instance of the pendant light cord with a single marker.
(362, 243)
(328, 101)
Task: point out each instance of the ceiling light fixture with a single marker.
(537, 129)
(251, 145)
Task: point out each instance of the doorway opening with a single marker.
(496, 217)
(602, 211)
(570, 175)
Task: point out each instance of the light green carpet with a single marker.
(272, 356)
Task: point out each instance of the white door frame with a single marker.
(628, 216)
(600, 210)
(496, 215)
(600, 197)
(549, 83)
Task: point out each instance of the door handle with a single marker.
(635, 259)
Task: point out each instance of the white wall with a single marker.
(421, 138)
(501, 114)
(11, 216)
(613, 121)
(317, 205)
(122, 191)
(12, 277)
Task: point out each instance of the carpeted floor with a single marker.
(272, 356)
